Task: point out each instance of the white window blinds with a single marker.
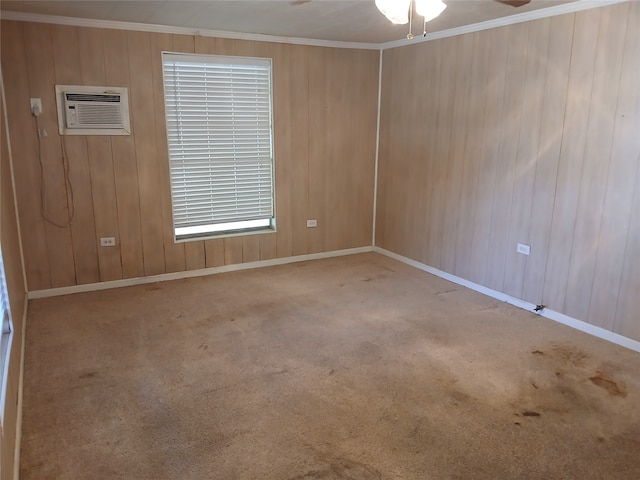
(220, 140)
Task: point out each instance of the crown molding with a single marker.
(144, 27)
(572, 7)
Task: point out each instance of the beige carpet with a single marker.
(350, 368)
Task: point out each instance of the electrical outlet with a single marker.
(523, 249)
(108, 241)
(312, 223)
(36, 106)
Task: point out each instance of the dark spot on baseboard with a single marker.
(529, 413)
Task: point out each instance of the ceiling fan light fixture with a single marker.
(397, 11)
(430, 9)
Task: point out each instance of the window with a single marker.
(219, 131)
(5, 338)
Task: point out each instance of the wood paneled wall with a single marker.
(9, 240)
(528, 133)
(325, 107)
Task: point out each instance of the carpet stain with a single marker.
(441, 292)
(460, 396)
(341, 469)
(537, 352)
(371, 278)
(529, 413)
(369, 351)
(87, 375)
(570, 355)
(617, 389)
(490, 307)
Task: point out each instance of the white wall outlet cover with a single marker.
(36, 106)
(108, 241)
(523, 249)
(312, 223)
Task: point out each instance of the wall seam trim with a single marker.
(375, 171)
(546, 313)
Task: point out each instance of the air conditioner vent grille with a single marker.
(89, 114)
(87, 97)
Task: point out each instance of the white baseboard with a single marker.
(550, 314)
(92, 287)
(547, 313)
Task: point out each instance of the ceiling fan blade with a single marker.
(514, 3)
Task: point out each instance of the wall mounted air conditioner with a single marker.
(86, 110)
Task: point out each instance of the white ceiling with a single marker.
(347, 21)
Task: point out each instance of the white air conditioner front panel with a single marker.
(92, 110)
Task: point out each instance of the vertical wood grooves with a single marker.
(597, 160)
(549, 161)
(556, 98)
(40, 77)
(22, 134)
(122, 183)
(533, 144)
(16, 290)
(621, 215)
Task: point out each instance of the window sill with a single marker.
(225, 234)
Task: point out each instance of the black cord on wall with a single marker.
(44, 208)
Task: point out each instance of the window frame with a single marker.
(6, 337)
(241, 228)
